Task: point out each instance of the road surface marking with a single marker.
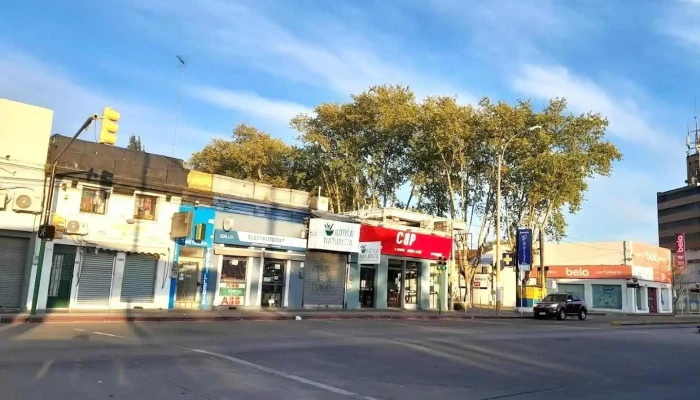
(79, 330)
(283, 374)
(108, 334)
(44, 369)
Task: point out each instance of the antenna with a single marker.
(182, 64)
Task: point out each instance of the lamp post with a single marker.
(497, 256)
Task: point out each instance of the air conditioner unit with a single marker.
(425, 224)
(3, 200)
(24, 200)
(76, 228)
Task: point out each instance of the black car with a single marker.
(561, 305)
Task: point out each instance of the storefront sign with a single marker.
(644, 255)
(524, 249)
(407, 244)
(590, 271)
(232, 293)
(481, 282)
(370, 252)
(332, 235)
(680, 251)
(241, 238)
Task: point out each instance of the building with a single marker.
(114, 207)
(397, 264)
(24, 138)
(622, 276)
(247, 248)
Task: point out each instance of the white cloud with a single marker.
(28, 80)
(326, 55)
(627, 119)
(280, 112)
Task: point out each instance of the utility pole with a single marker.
(46, 214)
(182, 66)
(542, 271)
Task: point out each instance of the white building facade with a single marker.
(24, 138)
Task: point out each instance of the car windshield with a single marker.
(555, 297)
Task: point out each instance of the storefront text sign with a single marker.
(370, 252)
(590, 271)
(332, 235)
(240, 238)
(680, 251)
(406, 243)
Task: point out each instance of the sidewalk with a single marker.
(250, 315)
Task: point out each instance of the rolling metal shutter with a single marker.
(13, 259)
(95, 279)
(324, 279)
(139, 280)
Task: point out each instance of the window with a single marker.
(577, 289)
(607, 296)
(145, 207)
(93, 201)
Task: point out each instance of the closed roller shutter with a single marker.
(95, 280)
(324, 279)
(139, 279)
(13, 259)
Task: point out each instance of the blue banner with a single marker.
(524, 249)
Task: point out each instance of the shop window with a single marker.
(145, 207)
(93, 201)
(607, 296)
(665, 299)
(572, 288)
(234, 268)
(639, 296)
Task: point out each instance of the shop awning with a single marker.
(126, 248)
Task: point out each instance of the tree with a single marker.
(251, 155)
(362, 148)
(135, 143)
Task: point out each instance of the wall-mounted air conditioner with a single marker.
(76, 228)
(24, 200)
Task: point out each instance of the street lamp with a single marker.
(497, 256)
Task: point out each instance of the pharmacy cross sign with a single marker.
(507, 259)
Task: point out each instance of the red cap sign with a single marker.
(406, 243)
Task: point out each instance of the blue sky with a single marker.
(262, 62)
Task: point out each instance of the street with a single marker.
(477, 359)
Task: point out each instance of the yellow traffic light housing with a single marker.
(108, 133)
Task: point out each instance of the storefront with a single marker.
(15, 264)
(612, 288)
(332, 240)
(406, 274)
(257, 269)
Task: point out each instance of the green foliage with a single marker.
(251, 155)
(135, 143)
(363, 152)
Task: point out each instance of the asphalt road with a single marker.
(350, 359)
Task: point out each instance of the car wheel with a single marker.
(561, 315)
(582, 315)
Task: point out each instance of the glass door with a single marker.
(393, 284)
(367, 287)
(273, 283)
(411, 285)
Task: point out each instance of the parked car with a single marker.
(561, 305)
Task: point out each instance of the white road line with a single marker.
(108, 334)
(79, 330)
(283, 374)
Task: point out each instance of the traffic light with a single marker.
(108, 133)
(442, 264)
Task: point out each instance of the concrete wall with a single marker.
(589, 253)
(24, 132)
(259, 225)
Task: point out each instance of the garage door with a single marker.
(95, 279)
(324, 279)
(139, 279)
(13, 259)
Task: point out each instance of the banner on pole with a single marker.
(524, 249)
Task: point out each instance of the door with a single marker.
(273, 283)
(653, 300)
(187, 280)
(324, 279)
(95, 278)
(61, 279)
(434, 286)
(13, 260)
(411, 284)
(393, 286)
(139, 282)
(367, 275)
(570, 305)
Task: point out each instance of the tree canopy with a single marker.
(384, 148)
(135, 143)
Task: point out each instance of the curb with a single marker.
(635, 323)
(78, 318)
